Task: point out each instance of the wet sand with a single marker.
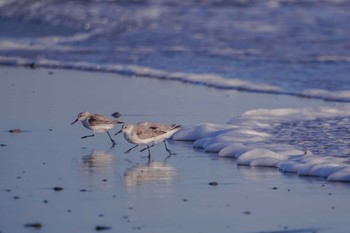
(53, 181)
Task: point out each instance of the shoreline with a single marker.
(105, 187)
(208, 80)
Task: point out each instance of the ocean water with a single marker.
(284, 47)
(294, 47)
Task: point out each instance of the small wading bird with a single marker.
(148, 133)
(98, 123)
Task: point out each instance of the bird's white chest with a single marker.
(86, 124)
(134, 139)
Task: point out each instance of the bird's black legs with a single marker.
(126, 152)
(149, 152)
(146, 147)
(87, 136)
(114, 143)
(118, 132)
(167, 149)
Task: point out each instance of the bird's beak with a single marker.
(74, 122)
(118, 132)
(120, 122)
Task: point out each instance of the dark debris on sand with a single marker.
(15, 131)
(57, 189)
(213, 183)
(33, 65)
(116, 115)
(36, 225)
(102, 228)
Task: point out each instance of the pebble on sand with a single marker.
(57, 188)
(102, 228)
(36, 225)
(213, 183)
(116, 115)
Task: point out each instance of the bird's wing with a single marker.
(153, 129)
(98, 119)
(144, 132)
(162, 127)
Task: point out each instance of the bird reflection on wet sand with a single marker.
(151, 173)
(97, 161)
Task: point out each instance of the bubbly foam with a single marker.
(308, 141)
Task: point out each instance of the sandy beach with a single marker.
(53, 181)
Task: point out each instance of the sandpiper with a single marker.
(148, 133)
(97, 123)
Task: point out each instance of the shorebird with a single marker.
(148, 133)
(98, 123)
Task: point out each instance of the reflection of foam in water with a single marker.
(97, 161)
(154, 172)
(254, 173)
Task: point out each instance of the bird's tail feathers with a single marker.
(175, 126)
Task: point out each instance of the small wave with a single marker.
(209, 80)
(305, 141)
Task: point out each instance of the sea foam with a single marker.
(288, 139)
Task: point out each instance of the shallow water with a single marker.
(103, 186)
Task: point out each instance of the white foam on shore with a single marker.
(209, 80)
(327, 95)
(260, 138)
